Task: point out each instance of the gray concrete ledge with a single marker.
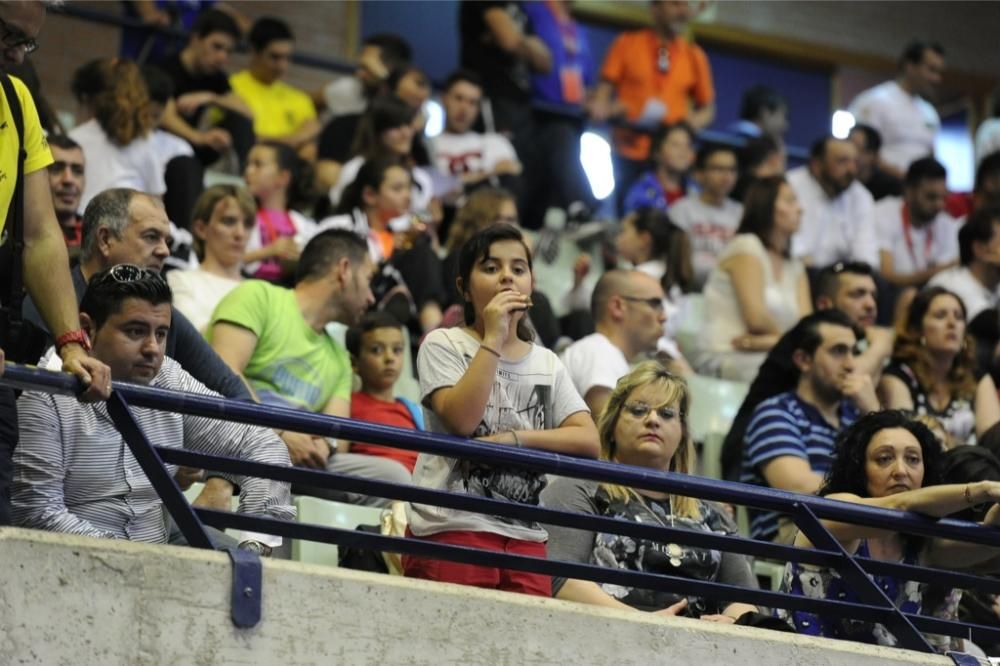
(73, 600)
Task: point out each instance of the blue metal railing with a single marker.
(807, 511)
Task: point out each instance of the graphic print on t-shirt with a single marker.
(524, 406)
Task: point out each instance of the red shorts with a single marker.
(509, 580)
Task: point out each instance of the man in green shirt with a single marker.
(276, 339)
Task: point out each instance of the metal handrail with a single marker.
(805, 509)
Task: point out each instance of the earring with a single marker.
(923, 341)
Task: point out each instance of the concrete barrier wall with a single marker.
(70, 600)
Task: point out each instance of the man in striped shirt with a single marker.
(73, 471)
(789, 442)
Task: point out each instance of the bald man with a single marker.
(628, 311)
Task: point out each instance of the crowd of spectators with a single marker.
(853, 295)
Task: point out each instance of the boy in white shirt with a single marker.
(917, 239)
(709, 217)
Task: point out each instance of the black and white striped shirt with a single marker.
(74, 473)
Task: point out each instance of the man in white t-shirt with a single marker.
(917, 239)
(837, 216)
(470, 156)
(627, 307)
(900, 109)
(709, 217)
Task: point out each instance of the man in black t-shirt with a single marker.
(204, 110)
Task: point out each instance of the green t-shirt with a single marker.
(292, 365)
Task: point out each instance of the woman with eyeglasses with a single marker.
(888, 460)
(644, 423)
(756, 291)
(932, 369)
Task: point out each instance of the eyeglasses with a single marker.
(654, 302)
(125, 273)
(14, 38)
(640, 410)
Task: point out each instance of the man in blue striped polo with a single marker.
(789, 442)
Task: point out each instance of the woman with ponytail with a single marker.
(116, 135)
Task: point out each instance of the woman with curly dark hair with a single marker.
(932, 368)
(888, 460)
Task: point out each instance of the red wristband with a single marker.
(78, 336)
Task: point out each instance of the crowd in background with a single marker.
(231, 234)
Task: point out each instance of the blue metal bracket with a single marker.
(152, 466)
(248, 582)
(963, 659)
(864, 586)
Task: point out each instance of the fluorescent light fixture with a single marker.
(435, 118)
(841, 124)
(595, 157)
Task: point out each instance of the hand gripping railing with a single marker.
(806, 510)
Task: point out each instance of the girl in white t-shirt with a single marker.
(223, 219)
(487, 380)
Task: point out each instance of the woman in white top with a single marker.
(116, 138)
(223, 221)
(756, 291)
(387, 129)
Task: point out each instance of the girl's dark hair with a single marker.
(909, 349)
(847, 473)
(371, 174)
(670, 243)
(300, 193)
(385, 112)
(477, 249)
(758, 208)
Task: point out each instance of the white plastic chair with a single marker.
(714, 403)
(315, 511)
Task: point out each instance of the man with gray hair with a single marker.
(628, 311)
(125, 226)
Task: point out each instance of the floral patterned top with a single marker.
(908, 596)
(625, 552)
(958, 418)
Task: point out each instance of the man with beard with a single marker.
(917, 238)
(837, 210)
(67, 176)
(789, 443)
(277, 339)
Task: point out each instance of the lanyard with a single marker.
(567, 28)
(928, 239)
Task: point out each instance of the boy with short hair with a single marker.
(709, 216)
(377, 349)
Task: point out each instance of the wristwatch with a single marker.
(79, 336)
(262, 549)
